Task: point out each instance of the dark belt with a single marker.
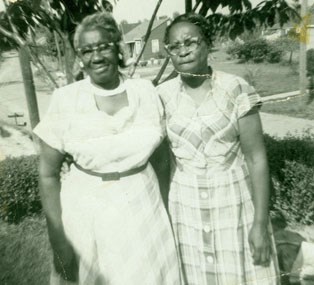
(112, 175)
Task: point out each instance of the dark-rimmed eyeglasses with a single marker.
(189, 45)
(88, 51)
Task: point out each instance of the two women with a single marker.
(106, 220)
(107, 211)
(219, 189)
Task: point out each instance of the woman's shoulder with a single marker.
(139, 83)
(66, 96)
(72, 88)
(230, 81)
(169, 88)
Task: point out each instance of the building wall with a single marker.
(156, 34)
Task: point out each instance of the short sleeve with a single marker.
(246, 99)
(51, 128)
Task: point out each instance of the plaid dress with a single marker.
(210, 200)
(119, 229)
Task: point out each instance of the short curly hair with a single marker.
(197, 20)
(99, 20)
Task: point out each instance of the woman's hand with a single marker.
(260, 244)
(66, 265)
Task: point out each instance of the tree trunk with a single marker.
(69, 56)
(188, 6)
(60, 65)
(290, 58)
(29, 87)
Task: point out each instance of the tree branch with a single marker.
(148, 32)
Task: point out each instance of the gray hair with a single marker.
(99, 20)
(196, 20)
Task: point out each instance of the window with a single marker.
(155, 46)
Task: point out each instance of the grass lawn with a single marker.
(24, 253)
(268, 79)
(299, 107)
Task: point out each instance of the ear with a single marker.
(81, 64)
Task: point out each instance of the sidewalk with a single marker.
(281, 125)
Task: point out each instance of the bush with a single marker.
(294, 196)
(291, 163)
(289, 148)
(233, 49)
(19, 188)
(274, 54)
(256, 50)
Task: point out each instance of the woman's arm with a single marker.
(252, 144)
(49, 171)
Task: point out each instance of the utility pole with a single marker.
(303, 41)
(29, 87)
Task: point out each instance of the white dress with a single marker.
(119, 229)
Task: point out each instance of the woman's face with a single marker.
(99, 56)
(186, 60)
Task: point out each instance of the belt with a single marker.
(112, 175)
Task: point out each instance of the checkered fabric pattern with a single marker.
(210, 200)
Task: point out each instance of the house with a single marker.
(276, 31)
(134, 39)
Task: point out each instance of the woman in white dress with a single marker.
(106, 220)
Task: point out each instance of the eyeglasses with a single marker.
(189, 44)
(87, 52)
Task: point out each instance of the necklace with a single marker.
(109, 92)
(194, 75)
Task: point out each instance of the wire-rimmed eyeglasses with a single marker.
(190, 44)
(88, 51)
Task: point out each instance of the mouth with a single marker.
(185, 62)
(101, 68)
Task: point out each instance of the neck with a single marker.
(194, 80)
(110, 84)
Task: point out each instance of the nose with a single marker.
(183, 51)
(96, 55)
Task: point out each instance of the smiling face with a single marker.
(186, 61)
(101, 66)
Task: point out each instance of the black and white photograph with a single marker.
(157, 142)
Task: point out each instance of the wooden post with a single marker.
(303, 39)
(29, 87)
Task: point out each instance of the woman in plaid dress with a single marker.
(219, 188)
(106, 220)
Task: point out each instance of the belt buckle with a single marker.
(111, 176)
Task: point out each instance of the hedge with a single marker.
(19, 195)
(291, 162)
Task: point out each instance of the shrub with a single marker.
(254, 50)
(233, 49)
(294, 196)
(19, 188)
(274, 54)
(291, 163)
